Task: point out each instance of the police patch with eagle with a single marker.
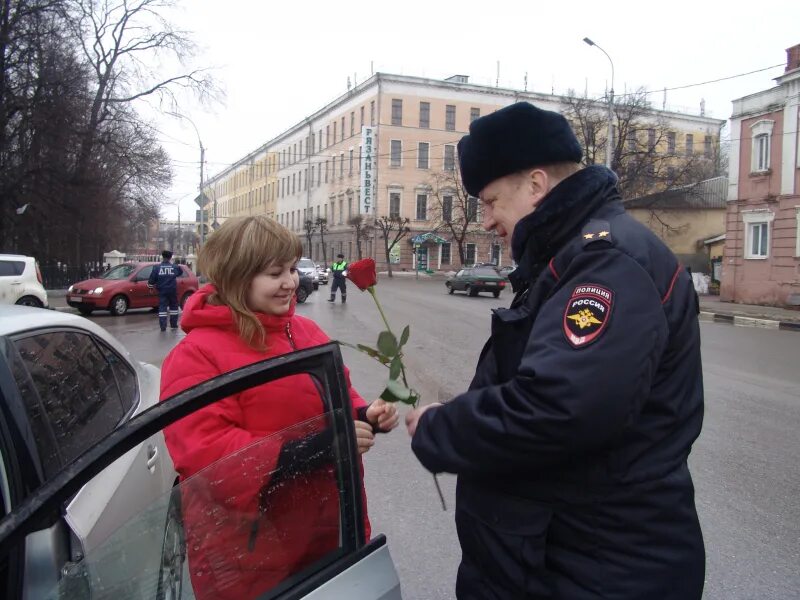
(587, 314)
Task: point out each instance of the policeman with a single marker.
(164, 278)
(571, 444)
(339, 269)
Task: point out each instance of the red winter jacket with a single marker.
(246, 532)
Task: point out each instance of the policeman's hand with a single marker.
(383, 415)
(365, 439)
(412, 418)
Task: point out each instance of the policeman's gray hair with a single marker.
(234, 254)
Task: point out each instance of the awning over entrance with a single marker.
(428, 237)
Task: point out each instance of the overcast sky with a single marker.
(280, 61)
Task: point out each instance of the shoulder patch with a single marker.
(596, 230)
(587, 314)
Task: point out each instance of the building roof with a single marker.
(707, 194)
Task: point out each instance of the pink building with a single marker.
(761, 261)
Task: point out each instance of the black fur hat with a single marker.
(512, 139)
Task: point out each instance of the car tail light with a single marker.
(39, 274)
(502, 284)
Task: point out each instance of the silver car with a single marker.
(149, 555)
(65, 385)
(308, 267)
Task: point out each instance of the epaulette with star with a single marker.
(597, 230)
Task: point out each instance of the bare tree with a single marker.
(322, 226)
(362, 231)
(310, 228)
(394, 229)
(647, 157)
(454, 210)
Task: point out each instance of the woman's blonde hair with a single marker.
(234, 254)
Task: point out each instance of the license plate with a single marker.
(77, 299)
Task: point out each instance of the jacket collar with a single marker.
(558, 218)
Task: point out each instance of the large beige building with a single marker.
(313, 170)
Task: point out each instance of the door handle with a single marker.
(152, 457)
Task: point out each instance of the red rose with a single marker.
(362, 273)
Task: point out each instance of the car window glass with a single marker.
(485, 272)
(11, 268)
(126, 377)
(144, 274)
(49, 455)
(76, 385)
(118, 272)
(306, 264)
(247, 522)
(460, 273)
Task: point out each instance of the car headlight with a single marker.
(98, 290)
(69, 289)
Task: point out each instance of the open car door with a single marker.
(246, 526)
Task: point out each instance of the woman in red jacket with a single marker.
(260, 505)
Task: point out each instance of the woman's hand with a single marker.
(383, 415)
(365, 439)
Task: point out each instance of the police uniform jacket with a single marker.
(164, 276)
(571, 444)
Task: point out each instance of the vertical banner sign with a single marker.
(368, 158)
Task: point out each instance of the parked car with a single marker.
(474, 280)
(305, 289)
(307, 267)
(124, 287)
(323, 273)
(65, 385)
(21, 281)
(507, 270)
(122, 566)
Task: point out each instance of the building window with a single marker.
(474, 113)
(496, 254)
(446, 253)
(424, 115)
(756, 237)
(319, 139)
(631, 141)
(671, 142)
(327, 135)
(422, 155)
(670, 174)
(342, 138)
(762, 138)
(301, 149)
(341, 165)
(334, 132)
(471, 252)
(397, 111)
(689, 144)
(651, 139)
(352, 123)
(396, 153)
(447, 209)
(707, 147)
(422, 207)
(472, 209)
(372, 113)
(449, 158)
(394, 204)
(362, 116)
(450, 117)
(326, 171)
(360, 156)
(351, 161)
(293, 180)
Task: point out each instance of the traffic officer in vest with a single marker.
(164, 278)
(339, 269)
(571, 444)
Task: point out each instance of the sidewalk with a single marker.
(748, 315)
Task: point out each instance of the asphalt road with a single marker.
(745, 463)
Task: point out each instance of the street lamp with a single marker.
(202, 195)
(609, 143)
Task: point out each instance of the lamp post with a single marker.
(610, 142)
(202, 195)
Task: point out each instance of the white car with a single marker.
(21, 281)
(65, 385)
(307, 267)
(110, 541)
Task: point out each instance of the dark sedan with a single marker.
(305, 289)
(475, 280)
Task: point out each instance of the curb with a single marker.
(743, 321)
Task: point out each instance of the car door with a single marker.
(141, 294)
(77, 390)
(248, 525)
(11, 287)
(458, 281)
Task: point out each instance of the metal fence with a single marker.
(61, 276)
